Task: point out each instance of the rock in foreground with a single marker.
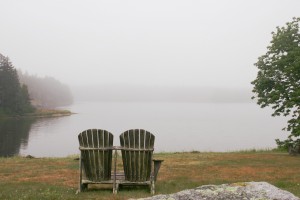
(236, 191)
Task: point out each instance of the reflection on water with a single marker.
(177, 127)
(14, 134)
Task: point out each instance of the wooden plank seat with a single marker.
(95, 160)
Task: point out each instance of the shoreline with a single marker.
(166, 153)
(40, 113)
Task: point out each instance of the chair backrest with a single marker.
(96, 154)
(137, 149)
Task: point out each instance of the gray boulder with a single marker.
(236, 191)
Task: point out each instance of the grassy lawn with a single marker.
(57, 178)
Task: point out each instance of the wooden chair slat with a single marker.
(106, 156)
(132, 154)
(137, 153)
(109, 163)
(86, 155)
(123, 153)
(147, 164)
(142, 146)
(94, 162)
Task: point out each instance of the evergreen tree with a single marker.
(14, 99)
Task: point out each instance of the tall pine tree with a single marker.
(14, 99)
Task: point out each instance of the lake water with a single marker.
(177, 127)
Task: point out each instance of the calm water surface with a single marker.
(177, 126)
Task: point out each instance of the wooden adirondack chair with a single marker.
(137, 148)
(95, 162)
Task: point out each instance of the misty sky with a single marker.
(158, 42)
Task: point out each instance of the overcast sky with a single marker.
(158, 42)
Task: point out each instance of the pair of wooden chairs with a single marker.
(96, 152)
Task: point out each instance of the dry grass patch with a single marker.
(230, 167)
(45, 170)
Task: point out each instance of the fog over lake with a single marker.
(180, 69)
(178, 126)
(181, 118)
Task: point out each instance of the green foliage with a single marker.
(278, 80)
(14, 99)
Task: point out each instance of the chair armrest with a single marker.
(157, 160)
(157, 164)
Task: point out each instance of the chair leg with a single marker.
(115, 184)
(152, 187)
(82, 186)
(115, 188)
(80, 174)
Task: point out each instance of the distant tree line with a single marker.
(46, 92)
(14, 97)
(21, 93)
